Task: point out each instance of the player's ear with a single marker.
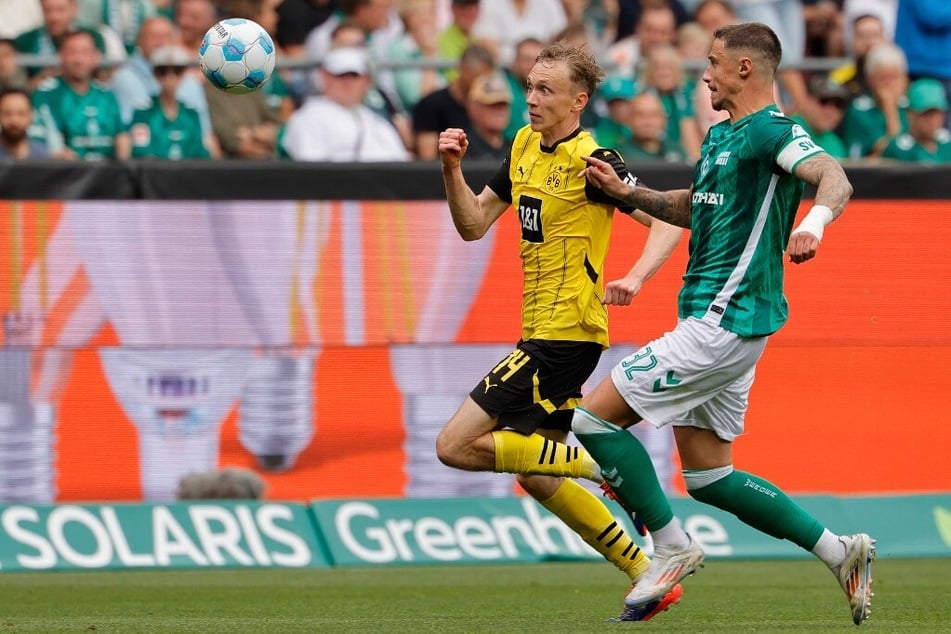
(581, 101)
(745, 67)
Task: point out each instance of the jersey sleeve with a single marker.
(501, 181)
(787, 143)
(613, 158)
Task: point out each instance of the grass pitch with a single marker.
(911, 596)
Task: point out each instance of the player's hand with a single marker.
(452, 146)
(802, 247)
(621, 292)
(602, 175)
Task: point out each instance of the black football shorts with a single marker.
(537, 384)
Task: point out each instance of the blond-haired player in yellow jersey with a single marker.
(517, 418)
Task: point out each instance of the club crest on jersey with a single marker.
(554, 181)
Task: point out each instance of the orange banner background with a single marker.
(847, 397)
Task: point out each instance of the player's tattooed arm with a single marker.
(833, 188)
(673, 207)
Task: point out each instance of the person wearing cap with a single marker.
(822, 121)
(927, 140)
(616, 93)
(489, 110)
(516, 419)
(167, 128)
(336, 125)
(79, 116)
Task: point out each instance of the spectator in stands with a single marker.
(823, 122)
(613, 128)
(16, 117)
(193, 18)
(504, 23)
(80, 117)
(526, 52)
(663, 72)
(712, 14)
(19, 16)
(167, 128)
(489, 110)
(657, 25)
(868, 31)
(59, 18)
(648, 125)
(872, 119)
(264, 12)
(336, 126)
(12, 75)
(349, 34)
(927, 140)
(923, 30)
(229, 483)
(884, 10)
(598, 28)
(418, 44)
(457, 35)
(376, 18)
(786, 18)
(123, 17)
(134, 84)
(446, 108)
(245, 126)
(297, 18)
(823, 27)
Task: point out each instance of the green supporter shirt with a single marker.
(744, 204)
(678, 105)
(610, 133)
(154, 135)
(86, 123)
(864, 125)
(906, 148)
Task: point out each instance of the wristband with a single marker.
(815, 221)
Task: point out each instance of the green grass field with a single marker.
(911, 596)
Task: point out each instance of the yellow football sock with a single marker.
(586, 515)
(535, 454)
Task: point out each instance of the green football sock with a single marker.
(626, 466)
(760, 504)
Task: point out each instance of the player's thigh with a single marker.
(468, 423)
(674, 375)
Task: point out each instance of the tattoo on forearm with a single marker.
(673, 207)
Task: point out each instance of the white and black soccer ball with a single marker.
(237, 55)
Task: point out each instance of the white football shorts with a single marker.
(697, 375)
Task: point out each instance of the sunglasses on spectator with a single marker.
(835, 101)
(161, 71)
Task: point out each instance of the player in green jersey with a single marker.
(516, 419)
(740, 209)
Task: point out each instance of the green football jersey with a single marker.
(744, 204)
(864, 125)
(905, 148)
(87, 124)
(154, 135)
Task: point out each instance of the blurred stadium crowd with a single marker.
(377, 80)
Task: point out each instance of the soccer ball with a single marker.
(237, 55)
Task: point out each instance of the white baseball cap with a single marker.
(340, 61)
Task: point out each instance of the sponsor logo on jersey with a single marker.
(707, 198)
(722, 158)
